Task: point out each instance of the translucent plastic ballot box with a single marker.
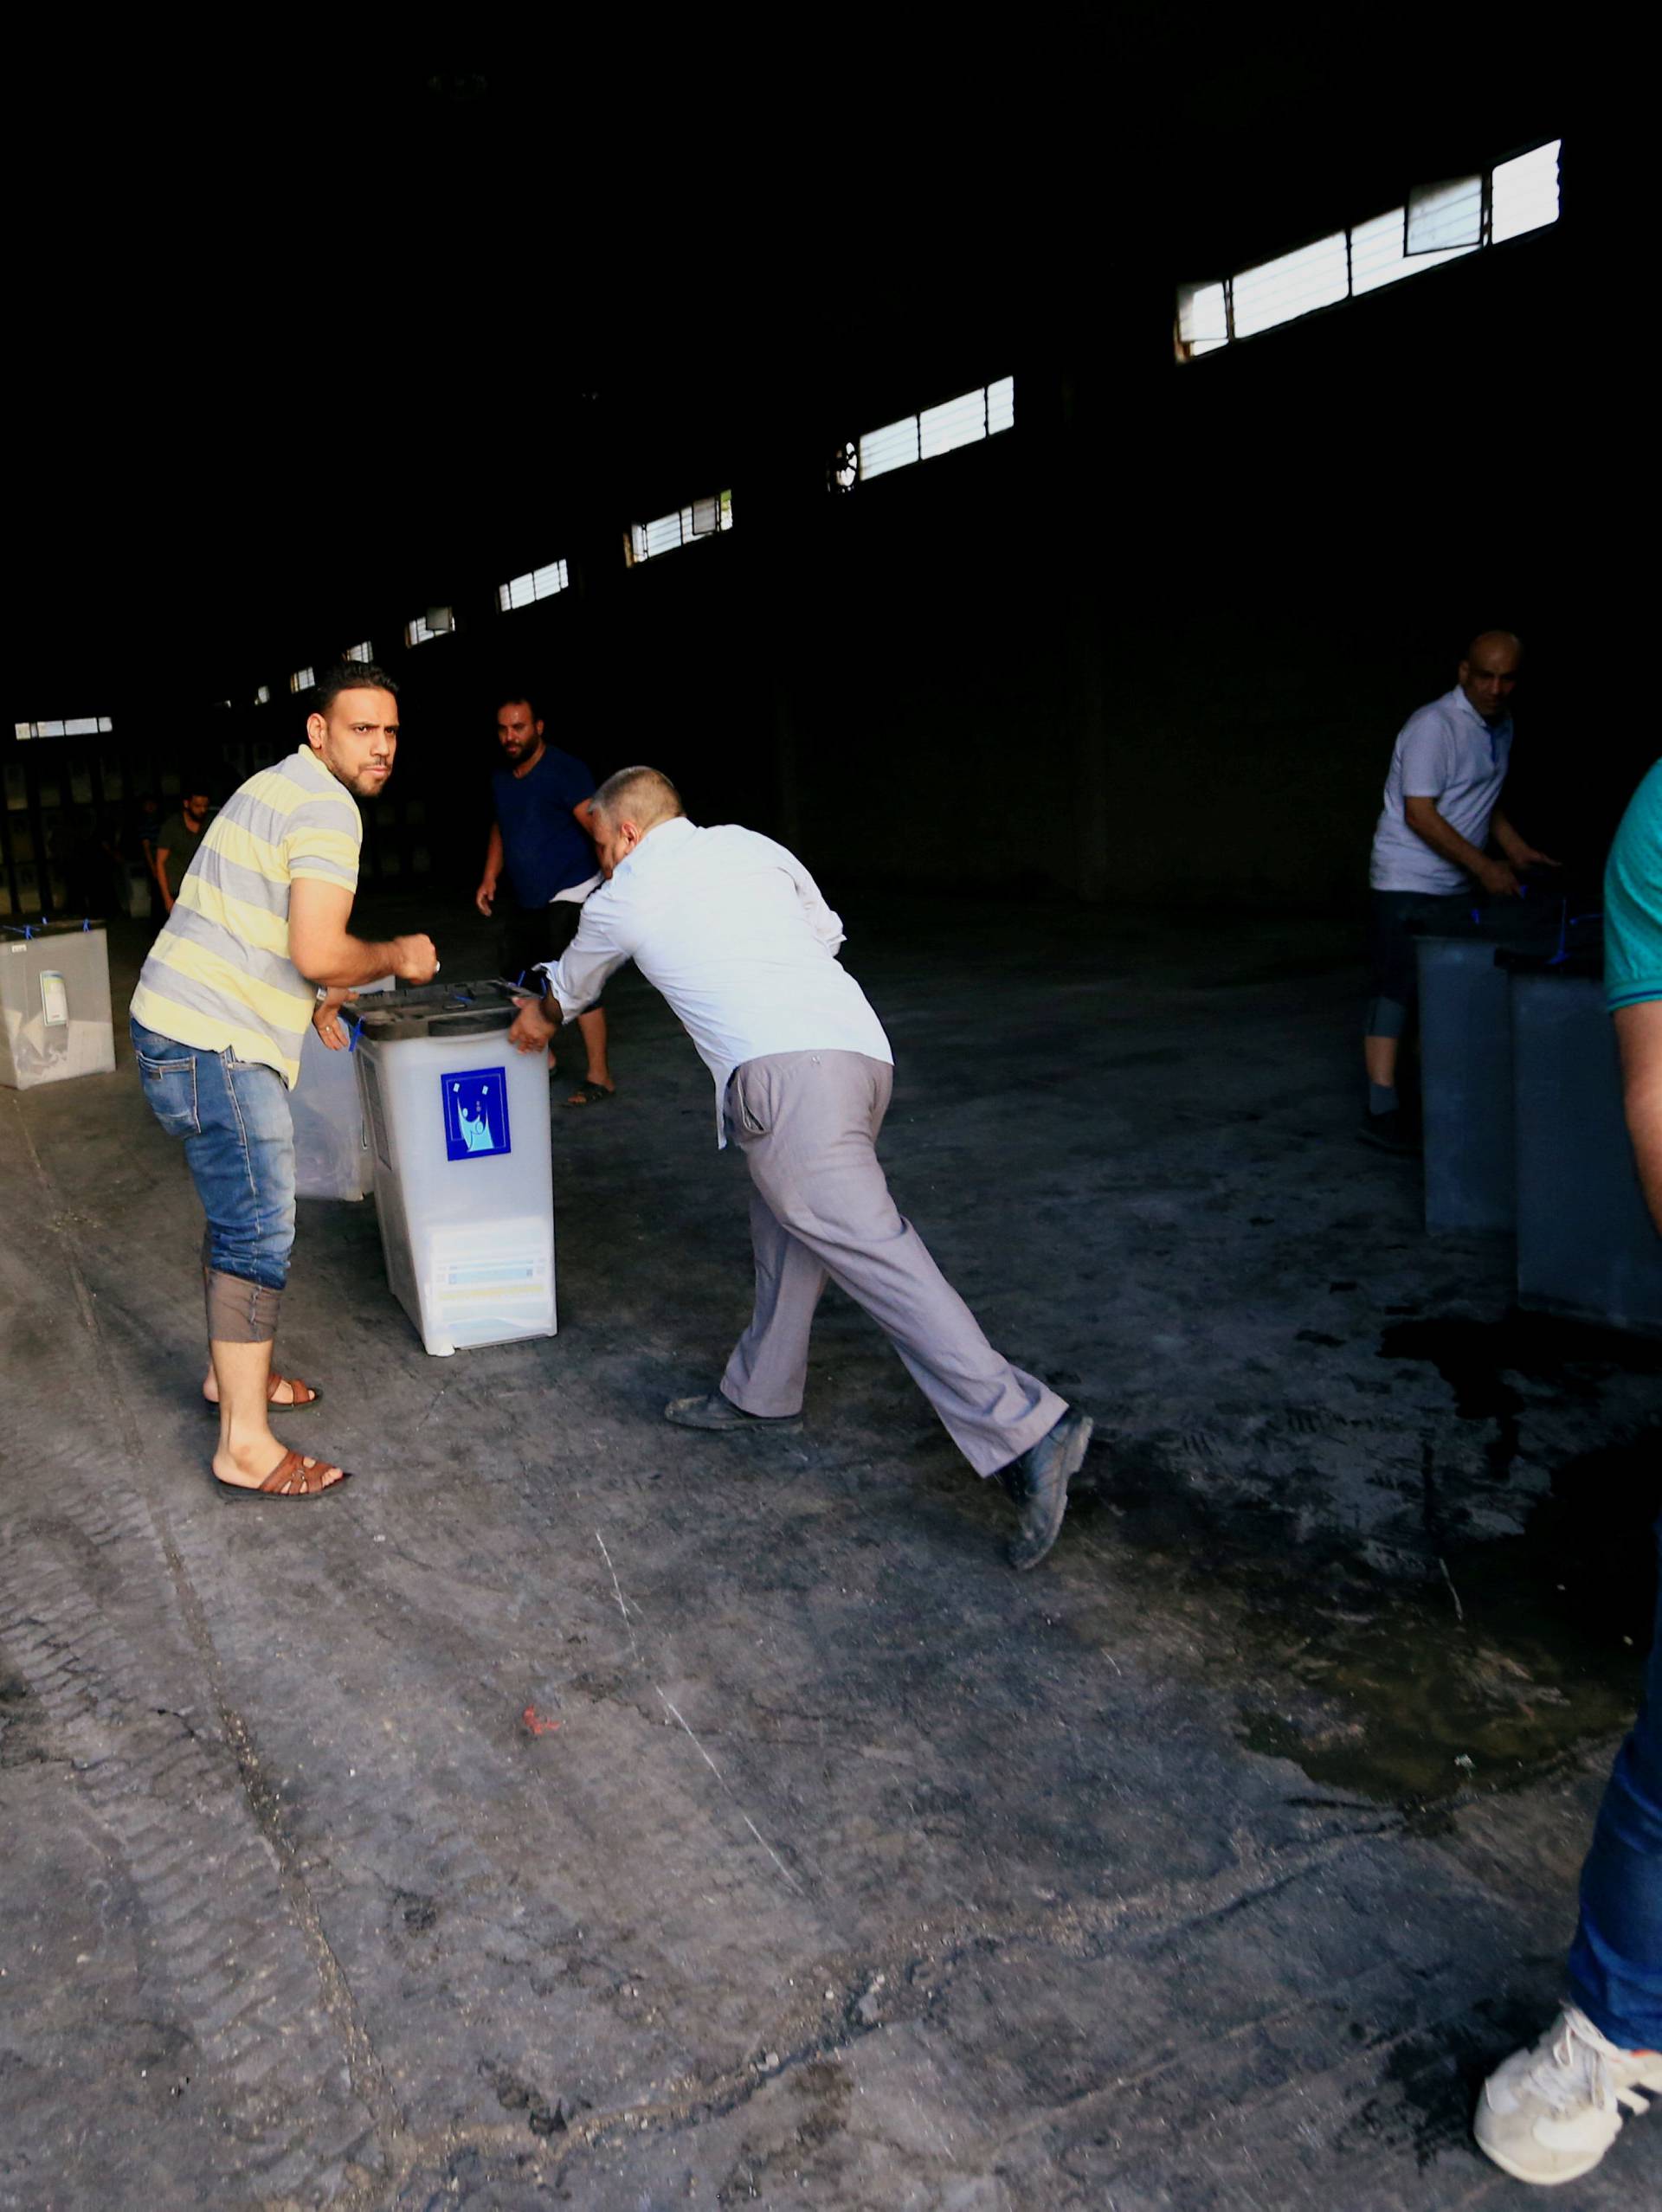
(332, 1158)
(54, 1003)
(1586, 1246)
(1466, 1056)
(464, 1190)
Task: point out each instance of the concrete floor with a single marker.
(581, 1812)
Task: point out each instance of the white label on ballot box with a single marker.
(487, 1280)
(55, 1000)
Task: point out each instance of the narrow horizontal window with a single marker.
(965, 420)
(535, 584)
(262, 697)
(956, 422)
(1437, 224)
(1203, 317)
(705, 517)
(80, 725)
(1444, 216)
(364, 652)
(1524, 193)
(303, 679)
(1292, 285)
(436, 622)
(1379, 255)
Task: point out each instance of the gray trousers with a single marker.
(807, 1123)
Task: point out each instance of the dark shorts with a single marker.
(530, 937)
(1393, 965)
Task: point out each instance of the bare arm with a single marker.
(159, 869)
(1517, 851)
(584, 813)
(321, 947)
(1423, 818)
(1638, 1033)
(488, 882)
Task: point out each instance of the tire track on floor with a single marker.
(231, 1960)
(195, 1821)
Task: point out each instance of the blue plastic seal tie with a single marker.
(354, 1023)
(1564, 933)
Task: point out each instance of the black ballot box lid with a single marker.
(437, 1010)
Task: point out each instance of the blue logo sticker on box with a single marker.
(476, 1114)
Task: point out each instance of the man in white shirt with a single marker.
(1441, 807)
(732, 929)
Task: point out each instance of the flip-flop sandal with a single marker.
(273, 1384)
(590, 1094)
(294, 1476)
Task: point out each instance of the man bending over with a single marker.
(732, 929)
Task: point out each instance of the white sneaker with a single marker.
(1549, 2114)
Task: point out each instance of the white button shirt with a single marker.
(1448, 752)
(732, 929)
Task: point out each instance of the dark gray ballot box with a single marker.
(1466, 1052)
(1586, 1243)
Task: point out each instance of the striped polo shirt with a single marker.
(219, 976)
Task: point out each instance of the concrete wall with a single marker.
(1152, 644)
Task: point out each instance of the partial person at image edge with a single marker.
(1551, 2112)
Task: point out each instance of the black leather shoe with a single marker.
(1389, 1133)
(1038, 1482)
(713, 1411)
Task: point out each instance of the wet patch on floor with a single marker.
(23, 1727)
(1434, 2078)
(1484, 1362)
(1452, 1660)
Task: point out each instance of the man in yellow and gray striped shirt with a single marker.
(219, 974)
(218, 1020)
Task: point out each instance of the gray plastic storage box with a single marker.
(332, 1159)
(1466, 1058)
(464, 1187)
(54, 1003)
(1585, 1242)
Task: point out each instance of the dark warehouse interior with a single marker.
(577, 1814)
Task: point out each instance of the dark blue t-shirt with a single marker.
(544, 849)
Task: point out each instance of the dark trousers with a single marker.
(532, 935)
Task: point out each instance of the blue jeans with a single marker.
(239, 1145)
(1615, 1963)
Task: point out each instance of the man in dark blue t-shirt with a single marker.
(540, 837)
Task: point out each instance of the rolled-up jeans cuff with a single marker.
(240, 1312)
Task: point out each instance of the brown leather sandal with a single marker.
(294, 1476)
(273, 1384)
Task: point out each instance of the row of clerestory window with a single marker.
(1436, 224)
(935, 430)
